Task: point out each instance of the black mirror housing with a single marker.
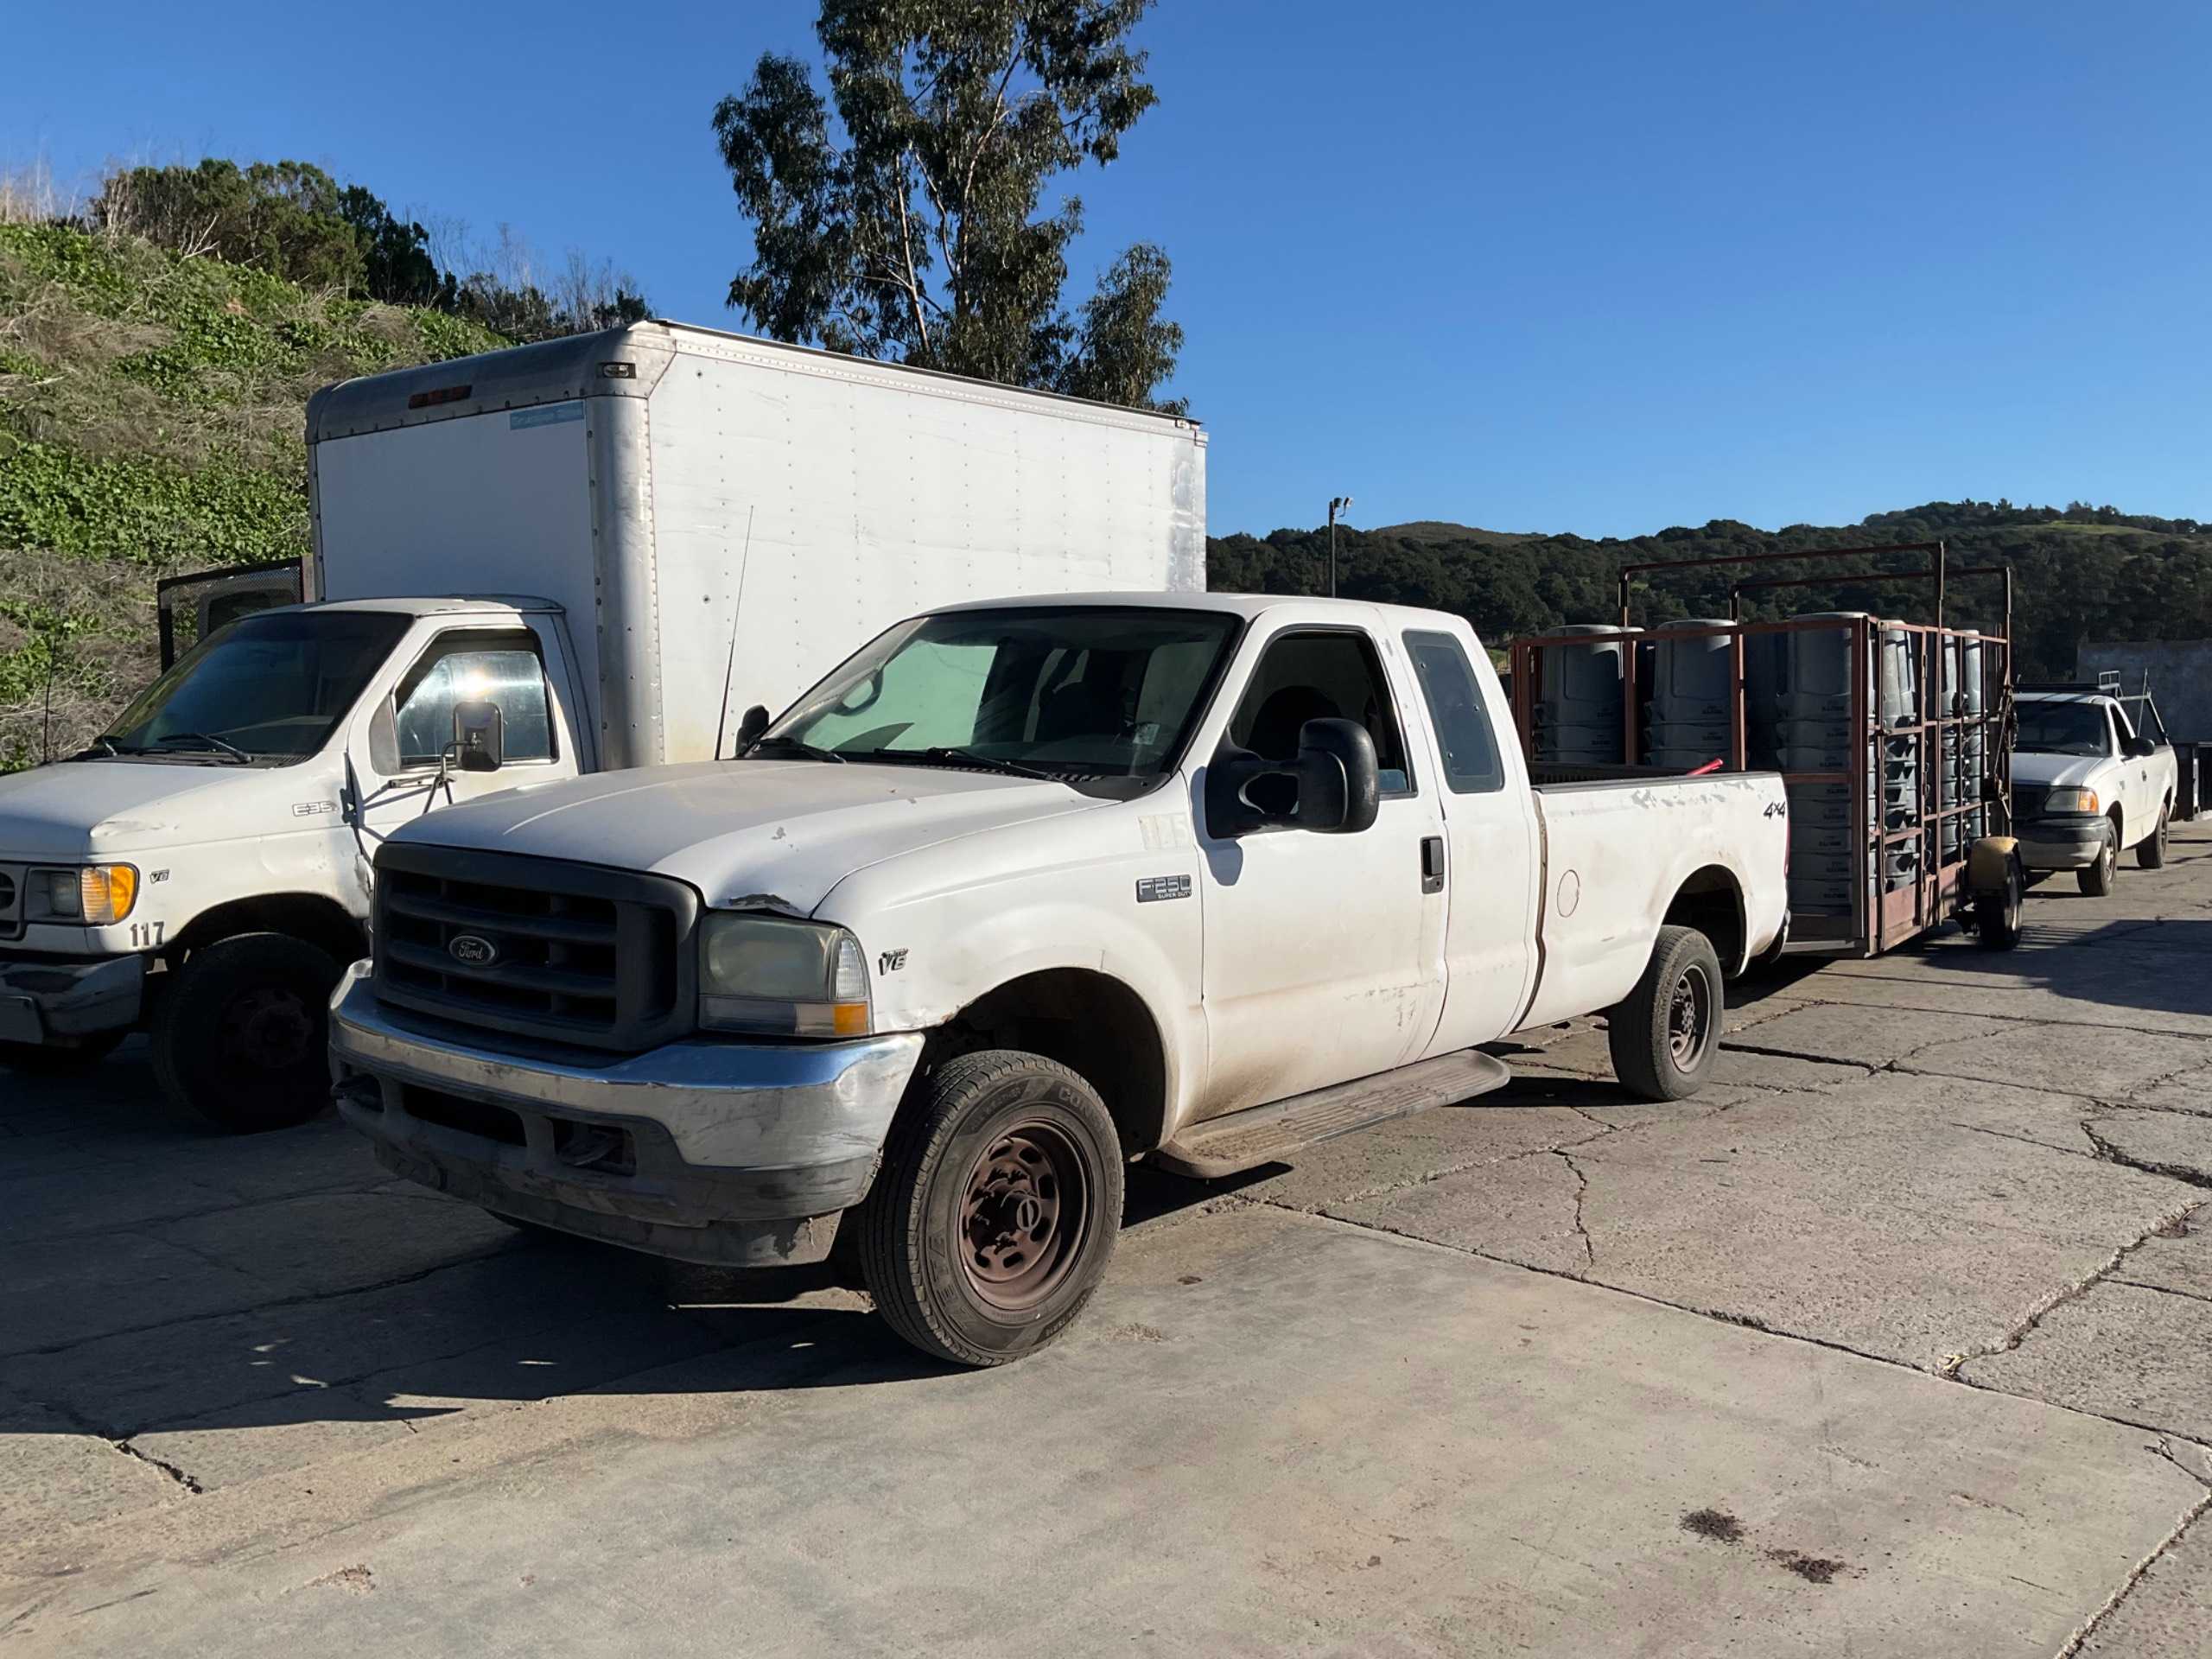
(478, 736)
(2140, 749)
(750, 725)
(1338, 785)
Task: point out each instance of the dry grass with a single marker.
(95, 672)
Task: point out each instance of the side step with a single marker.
(1259, 1135)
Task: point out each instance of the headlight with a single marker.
(2070, 800)
(99, 895)
(782, 978)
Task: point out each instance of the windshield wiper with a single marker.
(807, 751)
(201, 743)
(990, 762)
(101, 746)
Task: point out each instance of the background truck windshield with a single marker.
(2063, 729)
(270, 686)
(1095, 695)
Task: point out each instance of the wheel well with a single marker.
(1090, 1022)
(1711, 902)
(2119, 828)
(320, 922)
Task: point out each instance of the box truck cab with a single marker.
(650, 529)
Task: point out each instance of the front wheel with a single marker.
(2096, 880)
(1665, 1034)
(2150, 853)
(995, 1212)
(242, 1035)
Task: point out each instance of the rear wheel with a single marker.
(996, 1210)
(2151, 852)
(1997, 914)
(2097, 880)
(1665, 1034)
(242, 1034)
(51, 1060)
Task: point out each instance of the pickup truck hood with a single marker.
(770, 834)
(77, 809)
(2064, 769)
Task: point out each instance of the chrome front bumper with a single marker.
(736, 1153)
(62, 1003)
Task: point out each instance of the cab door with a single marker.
(1324, 953)
(400, 755)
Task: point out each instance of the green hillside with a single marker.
(152, 408)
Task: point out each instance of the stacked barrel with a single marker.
(1578, 704)
(1688, 722)
(1813, 731)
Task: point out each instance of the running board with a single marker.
(1260, 1135)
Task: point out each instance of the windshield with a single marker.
(268, 688)
(1096, 696)
(2063, 728)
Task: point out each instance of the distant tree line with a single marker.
(2082, 573)
(295, 221)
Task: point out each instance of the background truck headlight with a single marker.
(2070, 800)
(775, 977)
(97, 895)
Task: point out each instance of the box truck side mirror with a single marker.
(478, 736)
(750, 725)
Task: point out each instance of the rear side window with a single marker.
(1455, 705)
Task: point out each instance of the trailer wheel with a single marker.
(2150, 851)
(242, 1037)
(994, 1214)
(1665, 1034)
(2097, 880)
(1997, 913)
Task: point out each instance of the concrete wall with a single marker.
(2181, 679)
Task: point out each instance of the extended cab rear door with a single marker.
(1324, 953)
(1492, 852)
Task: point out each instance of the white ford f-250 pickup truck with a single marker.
(1022, 890)
(2087, 785)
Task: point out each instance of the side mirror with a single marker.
(750, 725)
(1339, 784)
(478, 736)
(2140, 749)
(1334, 787)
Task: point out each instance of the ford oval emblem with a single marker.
(471, 952)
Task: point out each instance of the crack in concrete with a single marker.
(1795, 1054)
(2108, 1153)
(2189, 1519)
(1581, 1193)
(2163, 1290)
(1953, 1367)
(161, 1463)
(1983, 1014)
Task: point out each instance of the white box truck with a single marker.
(604, 547)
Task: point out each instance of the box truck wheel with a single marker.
(1665, 1034)
(995, 1212)
(242, 1033)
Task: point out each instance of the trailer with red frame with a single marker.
(1911, 872)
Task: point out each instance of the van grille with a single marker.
(532, 947)
(11, 901)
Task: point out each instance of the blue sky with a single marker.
(1600, 268)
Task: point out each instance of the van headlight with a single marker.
(2070, 800)
(95, 895)
(771, 977)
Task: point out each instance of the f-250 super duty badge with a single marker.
(1154, 888)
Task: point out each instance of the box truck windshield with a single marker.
(269, 688)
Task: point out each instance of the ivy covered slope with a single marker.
(152, 420)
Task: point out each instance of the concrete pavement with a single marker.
(1894, 1340)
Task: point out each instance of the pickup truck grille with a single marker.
(536, 948)
(11, 901)
(2029, 800)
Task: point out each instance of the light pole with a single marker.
(1337, 506)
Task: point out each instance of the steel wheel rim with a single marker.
(266, 1030)
(1689, 1017)
(1025, 1210)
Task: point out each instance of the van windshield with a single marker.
(1102, 698)
(269, 688)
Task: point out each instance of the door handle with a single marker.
(1432, 864)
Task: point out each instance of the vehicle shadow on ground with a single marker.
(166, 1279)
(2161, 967)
